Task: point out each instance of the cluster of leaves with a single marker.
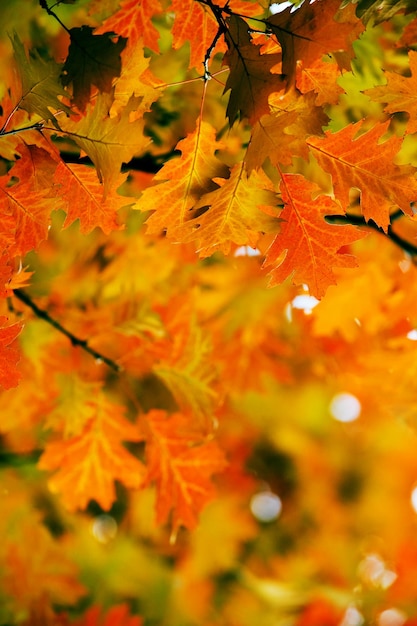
(144, 380)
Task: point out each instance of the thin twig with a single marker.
(76, 341)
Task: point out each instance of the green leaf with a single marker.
(40, 80)
(92, 60)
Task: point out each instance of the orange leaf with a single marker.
(234, 214)
(186, 179)
(89, 463)
(116, 616)
(181, 468)
(282, 135)
(312, 31)
(191, 18)
(9, 354)
(83, 195)
(308, 247)
(26, 204)
(134, 22)
(366, 164)
(400, 93)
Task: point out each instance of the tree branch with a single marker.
(76, 341)
(359, 220)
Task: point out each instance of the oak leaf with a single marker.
(191, 18)
(184, 365)
(235, 213)
(312, 31)
(83, 197)
(282, 135)
(26, 201)
(108, 141)
(399, 94)
(185, 180)
(367, 164)
(92, 60)
(181, 466)
(116, 616)
(308, 248)
(87, 464)
(40, 83)
(251, 80)
(133, 21)
(9, 354)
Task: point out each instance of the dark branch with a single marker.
(76, 341)
(359, 220)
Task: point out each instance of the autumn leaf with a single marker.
(108, 141)
(183, 364)
(192, 17)
(40, 83)
(185, 179)
(92, 60)
(83, 198)
(321, 77)
(235, 213)
(308, 248)
(313, 31)
(365, 163)
(9, 354)
(399, 94)
(282, 134)
(133, 21)
(181, 467)
(116, 616)
(251, 80)
(87, 464)
(27, 199)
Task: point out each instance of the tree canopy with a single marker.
(208, 314)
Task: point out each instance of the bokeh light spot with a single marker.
(345, 407)
(265, 506)
(104, 528)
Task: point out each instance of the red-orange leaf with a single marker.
(181, 468)
(191, 18)
(83, 196)
(308, 248)
(88, 464)
(312, 31)
(9, 354)
(133, 21)
(366, 164)
(116, 616)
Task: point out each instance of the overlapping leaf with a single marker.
(83, 198)
(108, 141)
(400, 93)
(9, 354)
(192, 17)
(313, 31)
(251, 80)
(237, 212)
(181, 467)
(40, 82)
(133, 21)
(92, 60)
(186, 179)
(367, 164)
(87, 464)
(308, 248)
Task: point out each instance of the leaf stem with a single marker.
(76, 341)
